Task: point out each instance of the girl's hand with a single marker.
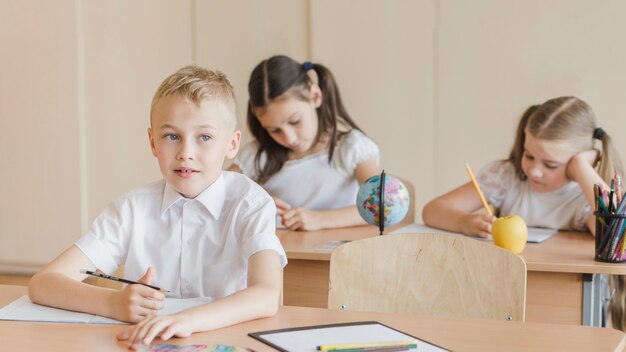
(154, 326)
(135, 302)
(477, 225)
(281, 206)
(580, 161)
(302, 219)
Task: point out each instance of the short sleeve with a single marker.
(582, 215)
(245, 159)
(495, 180)
(352, 149)
(106, 242)
(257, 226)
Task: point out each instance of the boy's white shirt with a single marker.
(197, 247)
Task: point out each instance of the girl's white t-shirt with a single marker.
(312, 182)
(565, 208)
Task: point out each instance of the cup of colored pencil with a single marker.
(610, 215)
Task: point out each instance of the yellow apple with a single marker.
(510, 232)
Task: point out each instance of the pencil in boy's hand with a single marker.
(119, 279)
(477, 188)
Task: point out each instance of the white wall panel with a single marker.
(129, 48)
(38, 122)
(498, 57)
(234, 36)
(382, 56)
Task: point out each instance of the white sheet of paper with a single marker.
(535, 234)
(309, 338)
(23, 309)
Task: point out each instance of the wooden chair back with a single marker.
(433, 274)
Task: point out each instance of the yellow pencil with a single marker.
(480, 193)
(367, 345)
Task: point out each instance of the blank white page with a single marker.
(307, 339)
(23, 309)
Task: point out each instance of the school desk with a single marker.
(454, 334)
(562, 281)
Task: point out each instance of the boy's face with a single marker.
(191, 141)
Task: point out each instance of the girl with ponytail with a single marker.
(308, 153)
(547, 179)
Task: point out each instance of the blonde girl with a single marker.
(547, 179)
(308, 153)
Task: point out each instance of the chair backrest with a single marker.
(434, 274)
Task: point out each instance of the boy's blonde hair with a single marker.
(197, 84)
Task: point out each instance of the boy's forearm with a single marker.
(57, 290)
(254, 302)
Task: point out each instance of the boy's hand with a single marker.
(302, 219)
(477, 225)
(281, 206)
(154, 326)
(135, 302)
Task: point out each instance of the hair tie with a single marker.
(598, 133)
(307, 65)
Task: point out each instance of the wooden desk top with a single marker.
(565, 252)
(454, 334)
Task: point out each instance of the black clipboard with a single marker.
(265, 336)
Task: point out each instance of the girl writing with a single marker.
(308, 154)
(547, 179)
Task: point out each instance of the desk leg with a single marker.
(593, 298)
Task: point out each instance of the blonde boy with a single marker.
(200, 232)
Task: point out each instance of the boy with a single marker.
(199, 232)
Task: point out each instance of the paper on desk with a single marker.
(308, 337)
(535, 234)
(23, 309)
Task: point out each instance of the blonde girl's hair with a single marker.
(571, 119)
(566, 119)
(197, 84)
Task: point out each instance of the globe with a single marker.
(395, 203)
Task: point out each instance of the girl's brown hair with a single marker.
(279, 77)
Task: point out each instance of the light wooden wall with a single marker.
(39, 148)
(495, 58)
(384, 62)
(77, 82)
(434, 82)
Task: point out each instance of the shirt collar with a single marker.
(212, 197)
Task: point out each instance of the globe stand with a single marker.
(381, 204)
